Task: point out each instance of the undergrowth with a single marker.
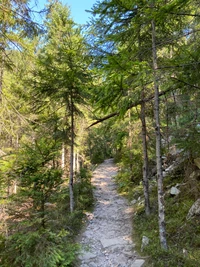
(183, 236)
(46, 238)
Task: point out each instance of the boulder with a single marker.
(194, 210)
(174, 191)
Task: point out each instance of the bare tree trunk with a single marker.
(145, 158)
(63, 157)
(161, 206)
(71, 175)
(1, 69)
(78, 163)
(130, 144)
(145, 179)
(167, 127)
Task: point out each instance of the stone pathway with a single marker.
(107, 241)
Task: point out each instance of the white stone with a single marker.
(174, 191)
(145, 242)
(112, 242)
(133, 202)
(138, 263)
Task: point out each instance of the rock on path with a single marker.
(107, 241)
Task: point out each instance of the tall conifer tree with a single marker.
(63, 74)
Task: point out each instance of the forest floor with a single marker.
(107, 238)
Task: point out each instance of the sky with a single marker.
(77, 8)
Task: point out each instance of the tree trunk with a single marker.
(78, 163)
(63, 157)
(167, 125)
(130, 144)
(145, 158)
(71, 174)
(144, 142)
(161, 206)
(2, 51)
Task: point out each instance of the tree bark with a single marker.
(130, 144)
(145, 158)
(71, 175)
(161, 205)
(63, 156)
(145, 179)
(1, 70)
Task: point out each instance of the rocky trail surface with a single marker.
(106, 241)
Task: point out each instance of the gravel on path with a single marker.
(107, 241)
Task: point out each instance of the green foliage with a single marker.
(83, 190)
(38, 175)
(16, 24)
(130, 171)
(41, 227)
(38, 96)
(99, 146)
(182, 235)
(38, 248)
(61, 74)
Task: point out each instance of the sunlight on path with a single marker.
(107, 240)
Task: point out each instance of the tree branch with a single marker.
(194, 86)
(134, 104)
(184, 14)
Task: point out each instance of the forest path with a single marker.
(106, 241)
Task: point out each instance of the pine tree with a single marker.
(62, 74)
(15, 25)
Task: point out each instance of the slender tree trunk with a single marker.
(144, 143)
(71, 174)
(176, 115)
(130, 144)
(1, 69)
(161, 206)
(63, 157)
(167, 122)
(77, 162)
(145, 158)
(1, 82)
(2, 57)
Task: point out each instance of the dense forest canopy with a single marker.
(126, 86)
